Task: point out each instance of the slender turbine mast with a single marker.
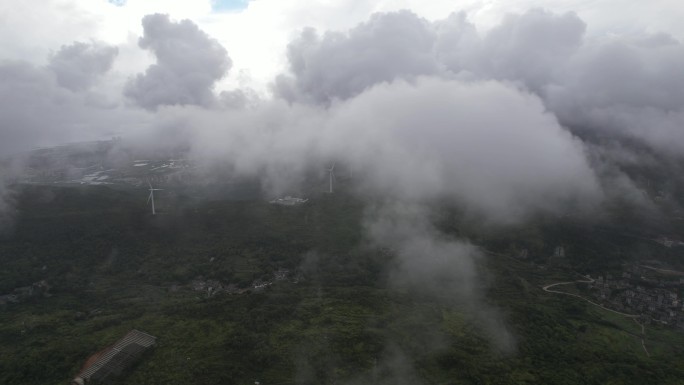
(151, 197)
(331, 176)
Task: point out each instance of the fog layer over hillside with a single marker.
(426, 112)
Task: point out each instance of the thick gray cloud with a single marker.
(401, 45)
(239, 98)
(632, 87)
(458, 45)
(341, 65)
(78, 66)
(485, 145)
(625, 88)
(530, 47)
(35, 110)
(526, 48)
(189, 62)
(33, 107)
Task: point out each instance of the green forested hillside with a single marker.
(112, 267)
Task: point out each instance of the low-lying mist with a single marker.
(423, 113)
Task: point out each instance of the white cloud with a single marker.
(188, 63)
(257, 37)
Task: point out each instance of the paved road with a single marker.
(643, 335)
(663, 271)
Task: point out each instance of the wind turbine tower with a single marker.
(331, 176)
(151, 197)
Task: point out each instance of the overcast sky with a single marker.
(490, 91)
(481, 98)
(256, 33)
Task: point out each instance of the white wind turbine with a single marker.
(151, 197)
(331, 176)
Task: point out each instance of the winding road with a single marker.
(546, 288)
(634, 317)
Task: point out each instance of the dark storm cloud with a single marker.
(189, 62)
(78, 66)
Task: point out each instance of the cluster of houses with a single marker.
(657, 301)
(289, 201)
(23, 293)
(91, 164)
(213, 287)
(114, 360)
(667, 242)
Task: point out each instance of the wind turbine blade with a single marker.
(149, 183)
(333, 167)
(149, 197)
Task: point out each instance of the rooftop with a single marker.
(115, 359)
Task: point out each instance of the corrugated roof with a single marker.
(120, 356)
